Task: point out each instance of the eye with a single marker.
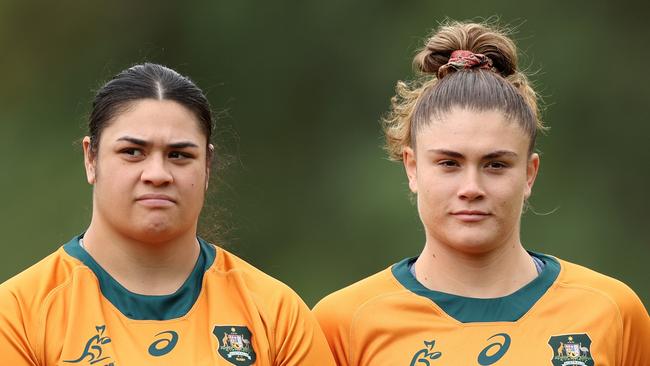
(180, 155)
(496, 165)
(448, 163)
(132, 152)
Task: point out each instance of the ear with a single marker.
(531, 173)
(208, 162)
(408, 158)
(90, 161)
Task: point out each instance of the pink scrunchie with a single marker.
(462, 59)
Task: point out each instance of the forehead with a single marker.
(465, 130)
(151, 119)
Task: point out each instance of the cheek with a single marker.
(432, 201)
(511, 197)
(435, 189)
(194, 183)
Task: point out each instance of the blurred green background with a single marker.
(309, 196)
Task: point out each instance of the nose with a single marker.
(156, 172)
(471, 188)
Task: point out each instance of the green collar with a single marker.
(468, 310)
(148, 307)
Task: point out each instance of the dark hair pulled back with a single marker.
(146, 81)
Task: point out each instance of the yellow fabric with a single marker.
(54, 313)
(378, 322)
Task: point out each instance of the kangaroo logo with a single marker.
(93, 351)
(423, 356)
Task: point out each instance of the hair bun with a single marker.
(477, 38)
(465, 60)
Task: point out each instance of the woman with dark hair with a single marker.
(465, 133)
(138, 287)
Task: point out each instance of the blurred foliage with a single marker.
(300, 85)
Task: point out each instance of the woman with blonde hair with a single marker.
(465, 132)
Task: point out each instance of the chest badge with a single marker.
(571, 350)
(235, 344)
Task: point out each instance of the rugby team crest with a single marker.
(571, 350)
(235, 344)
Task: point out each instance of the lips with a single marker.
(471, 215)
(155, 200)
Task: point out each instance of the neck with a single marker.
(158, 268)
(496, 273)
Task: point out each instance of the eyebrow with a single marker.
(141, 142)
(492, 155)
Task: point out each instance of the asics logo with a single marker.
(165, 344)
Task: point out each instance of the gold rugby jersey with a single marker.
(66, 310)
(567, 316)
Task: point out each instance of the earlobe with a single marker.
(408, 158)
(89, 160)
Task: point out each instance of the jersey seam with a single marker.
(396, 282)
(612, 301)
(260, 308)
(46, 303)
(359, 309)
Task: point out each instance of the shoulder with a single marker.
(344, 304)
(622, 304)
(344, 310)
(26, 297)
(579, 278)
(269, 294)
(38, 282)
(582, 278)
(229, 265)
(297, 339)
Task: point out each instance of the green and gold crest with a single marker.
(235, 344)
(571, 350)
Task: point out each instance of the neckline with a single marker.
(147, 307)
(508, 308)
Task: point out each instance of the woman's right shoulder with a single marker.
(24, 299)
(35, 284)
(343, 304)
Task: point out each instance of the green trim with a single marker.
(469, 310)
(148, 307)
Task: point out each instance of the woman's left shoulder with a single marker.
(254, 279)
(580, 277)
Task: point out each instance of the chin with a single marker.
(156, 232)
(473, 243)
(473, 248)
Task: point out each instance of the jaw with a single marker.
(472, 238)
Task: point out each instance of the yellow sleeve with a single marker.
(335, 322)
(636, 331)
(299, 339)
(15, 345)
